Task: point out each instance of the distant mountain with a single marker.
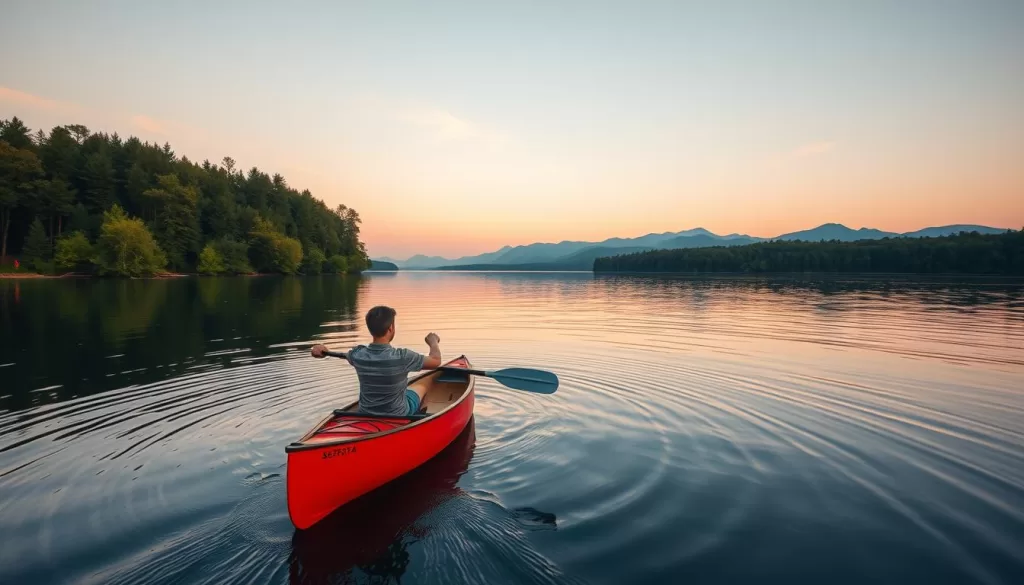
(706, 241)
(948, 230)
(584, 259)
(543, 253)
(581, 260)
(836, 231)
(382, 265)
(573, 255)
(421, 261)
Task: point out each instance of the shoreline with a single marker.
(23, 275)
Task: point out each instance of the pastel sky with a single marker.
(458, 127)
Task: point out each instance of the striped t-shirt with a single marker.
(383, 376)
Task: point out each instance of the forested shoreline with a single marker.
(94, 203)
(964, 253)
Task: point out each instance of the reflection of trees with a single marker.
(211, 290)
(128, 307)
(63, 331)
(918, 290)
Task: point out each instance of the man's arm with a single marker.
(433, 360)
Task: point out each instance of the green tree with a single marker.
(60, 155)
(16, 134)
(137, 183)
(313, 260)
(271, 251)
(358, 262)
(177, 223)
(57, 200)
(80, 220)
(19, 172)
(210, 261)
(126, 248)
(79, 132)
(100, 182)
(337, 264)
(78, 175)
(74, 252)
(37, 249)
(235, 256)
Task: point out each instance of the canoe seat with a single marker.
(454, 377)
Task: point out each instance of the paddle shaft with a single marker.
(343, 356)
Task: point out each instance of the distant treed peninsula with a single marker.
(964, 253)
(74, 200)
(582, 256)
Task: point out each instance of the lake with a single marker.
(720, 430)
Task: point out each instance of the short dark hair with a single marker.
(379, 320)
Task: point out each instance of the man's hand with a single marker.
(434, 359)
(319, 350)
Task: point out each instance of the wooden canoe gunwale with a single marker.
(301, 445)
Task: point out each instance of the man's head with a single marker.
(381, 323)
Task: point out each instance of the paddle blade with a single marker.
(526, 379)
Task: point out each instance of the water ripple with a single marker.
(705, 430)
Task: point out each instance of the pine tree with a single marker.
(37, 249)
(100, 182)
(16, 134)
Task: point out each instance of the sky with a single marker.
(455, 128)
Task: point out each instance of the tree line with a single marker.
(75, 200)
(964, 253)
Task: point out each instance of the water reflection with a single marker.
(78, 337)
(721, 430)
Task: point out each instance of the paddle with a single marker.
(525, 379)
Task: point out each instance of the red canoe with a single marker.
(349, 453)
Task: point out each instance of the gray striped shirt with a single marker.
(383, 376)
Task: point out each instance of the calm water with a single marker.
(706, 431)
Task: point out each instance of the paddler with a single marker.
(383, 369)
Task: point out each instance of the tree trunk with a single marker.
(60, 221)
(51, 231)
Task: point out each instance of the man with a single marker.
(383, 369)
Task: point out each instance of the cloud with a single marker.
(446, 125)
(148, 124)
(440, 123)
(24, 99)
(813, 149)
(166, 128)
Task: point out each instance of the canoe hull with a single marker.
(323, 476)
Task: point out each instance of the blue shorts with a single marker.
(412, 400)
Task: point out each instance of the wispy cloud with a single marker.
(166, 128)
(28, 100)
(813, 149)
(438, 122)
(446, 125)
(148, 124)
(139, 122)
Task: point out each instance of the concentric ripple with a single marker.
(709, 431)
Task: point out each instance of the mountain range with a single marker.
(571, 255)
